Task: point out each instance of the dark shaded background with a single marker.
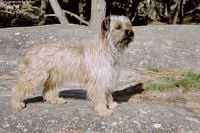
(141, 12)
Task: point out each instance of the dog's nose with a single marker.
(130, 33)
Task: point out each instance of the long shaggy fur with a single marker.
(95, 65)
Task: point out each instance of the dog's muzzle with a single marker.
(129, 33)
(128, 37)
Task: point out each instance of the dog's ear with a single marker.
(105, 27)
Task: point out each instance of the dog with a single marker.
(96, 65)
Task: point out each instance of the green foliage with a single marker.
(188, 81)
(153, 68)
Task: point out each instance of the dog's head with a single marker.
(117, 31)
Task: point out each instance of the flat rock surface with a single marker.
(176, 47)
(77, 115)
(160, 47)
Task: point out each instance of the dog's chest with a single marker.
(102, 68)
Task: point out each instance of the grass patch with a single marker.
(153, 68)
(188, 81)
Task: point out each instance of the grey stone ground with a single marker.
(163, 47)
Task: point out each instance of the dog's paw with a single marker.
(19, 105)
(105, 113)
(112, 105)
(56, 100)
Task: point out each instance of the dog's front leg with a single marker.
(98, 97)
(111, 103)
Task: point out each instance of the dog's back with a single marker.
(54, 58)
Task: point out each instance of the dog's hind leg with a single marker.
(25, 84)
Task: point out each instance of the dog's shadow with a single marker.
(125, 94)
(119, 96)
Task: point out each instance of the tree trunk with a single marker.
(181, 11)
(98, 12)
(43, 9)
(58, 11)
(133, 10)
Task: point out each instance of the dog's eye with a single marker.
(118, 27)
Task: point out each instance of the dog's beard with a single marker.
(121, 44)
(124, 42)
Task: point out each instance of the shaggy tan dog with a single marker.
(94, 65)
